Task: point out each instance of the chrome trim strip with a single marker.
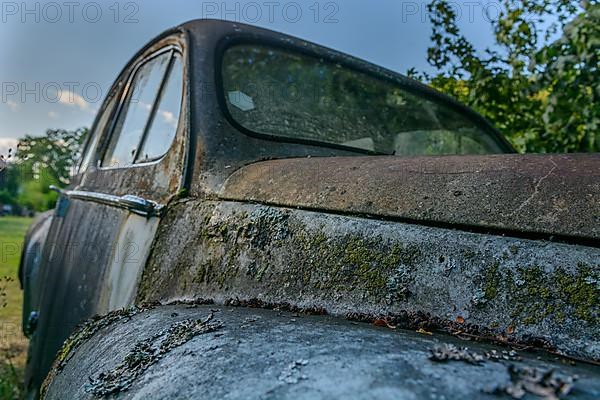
(140, 206)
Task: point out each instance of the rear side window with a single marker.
(148, 119)
(282, 94)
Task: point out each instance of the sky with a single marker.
(58, 58)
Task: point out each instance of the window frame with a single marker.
(317, 52)
(173, 49)
(95, 134)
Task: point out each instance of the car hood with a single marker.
(539, 196)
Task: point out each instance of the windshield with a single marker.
(280, 93)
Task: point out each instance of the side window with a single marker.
(90, 150)
(164, 122)
(141, 123)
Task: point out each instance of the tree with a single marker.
(41, 162)
(54, 154)
(542, 94)
(8, 181)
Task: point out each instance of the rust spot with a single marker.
(383, 323)
(426, 322)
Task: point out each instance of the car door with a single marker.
(103, 226)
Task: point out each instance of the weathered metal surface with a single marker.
(79, 249)
(94, 258)
(263, 354)
(520, 289)
(130, 252)
(29, 265)
(541, 194)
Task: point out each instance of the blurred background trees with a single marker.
(539, 84)
(39, 162)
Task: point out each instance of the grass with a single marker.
(13, 345)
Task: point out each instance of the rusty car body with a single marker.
(233, 256)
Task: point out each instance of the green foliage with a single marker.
(35, 195)
(542, 94)
(10, 380)
(54, 154)
(40, 162)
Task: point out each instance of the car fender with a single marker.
(210, 352)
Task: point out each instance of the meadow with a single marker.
(13, 345)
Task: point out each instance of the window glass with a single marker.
(128, 131)
(291, 95)
(164, 124)
(92, 146)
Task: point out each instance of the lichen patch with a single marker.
(148, 352)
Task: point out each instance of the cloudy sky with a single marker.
(58, 58)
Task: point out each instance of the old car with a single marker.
(256, 216)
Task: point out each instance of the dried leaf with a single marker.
(510, 330)
(423, 331)
(383, 323)
(460, 320)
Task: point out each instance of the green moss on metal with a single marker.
(534, 294)
(469, 254)
(352, 262)
(581, 292)
(85, 331)
(492, 281)
(559, 295)
(314, 258)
